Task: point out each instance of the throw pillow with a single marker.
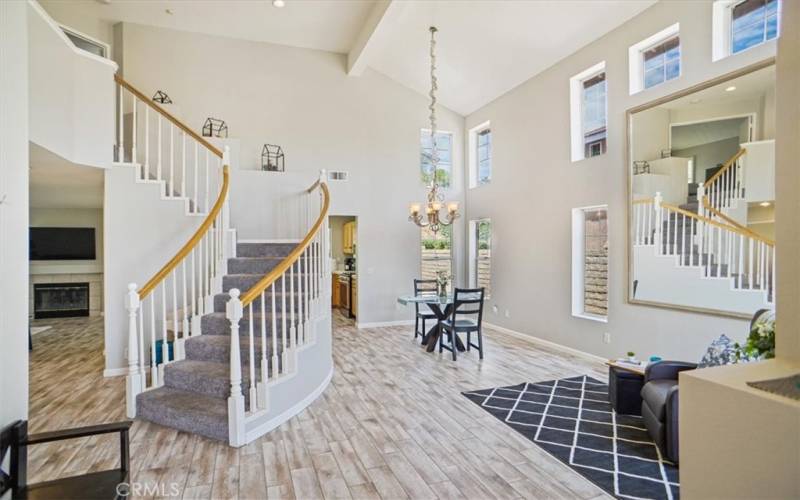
(720, 352)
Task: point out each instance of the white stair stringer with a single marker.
(311, 370)
(661, 279)
(136, 168)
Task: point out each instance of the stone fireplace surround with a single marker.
(95, 281)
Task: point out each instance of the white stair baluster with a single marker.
(120, 143)
(251, 360)
(284, 354)
(274, 332)
(177, 343)
(195, 199)
(146, 165)
(153, 367)
(133, 131)
(164, 345)
(740, 270)
(691, 241)
(185, 323)
(158, 157)
(183, 166)
(262, 393)
(171, 184)
(207, 207)
(750, 265)
(292, 328)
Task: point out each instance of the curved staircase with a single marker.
(203, 356)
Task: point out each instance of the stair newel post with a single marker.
(660, 222)
(134, 378)
(228, 247)
(236, 430)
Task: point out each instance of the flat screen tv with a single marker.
(62, 243)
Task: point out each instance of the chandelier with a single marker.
(436, 201)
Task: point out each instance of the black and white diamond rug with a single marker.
(571, 419)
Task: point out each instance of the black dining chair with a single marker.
(466, 302)
(423, 287)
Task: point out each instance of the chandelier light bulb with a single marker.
(278, 3)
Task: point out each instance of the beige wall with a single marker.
(535, 186)
(787, 184)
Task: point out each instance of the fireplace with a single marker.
(60, 300)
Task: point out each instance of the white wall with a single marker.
(535, 186)
(72, 95)
(141, 233)
(303, 100)
(13, 212)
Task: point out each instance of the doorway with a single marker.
(344, 265)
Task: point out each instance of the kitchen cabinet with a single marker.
(335, 299)
(349, 238)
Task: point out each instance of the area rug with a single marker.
(571, 419)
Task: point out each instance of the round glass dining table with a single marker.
(442, 307)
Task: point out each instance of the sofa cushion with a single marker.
(655, 393)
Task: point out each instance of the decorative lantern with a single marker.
(215, 127)
(161, 97)
(272, 158)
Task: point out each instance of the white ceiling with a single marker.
(485, 47)
(58, 183)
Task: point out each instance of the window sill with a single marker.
(599, 319)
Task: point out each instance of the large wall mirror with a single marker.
(702, 196)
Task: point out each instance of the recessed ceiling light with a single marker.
(278, 3)
(730, 89)
(765, 203)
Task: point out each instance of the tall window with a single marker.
(437, 252)
(662, 62)
(590, 262)
(444, 146)
(588, 112)
(753, 22)
(594, 115)
(480, 270)
(484, 156)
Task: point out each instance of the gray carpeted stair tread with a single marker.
(217, 348)
(201, 377)
(245, 281)
(186, 411)
(217, 324)
(221, 299)
(264, 249)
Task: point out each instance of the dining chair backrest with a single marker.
(468, 302)
(424, 287)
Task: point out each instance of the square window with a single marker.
(655, 59)
(741, 24)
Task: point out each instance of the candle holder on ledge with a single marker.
(161, 97)
(272, 158)
(214, 127)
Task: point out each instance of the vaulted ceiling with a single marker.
(485, 47)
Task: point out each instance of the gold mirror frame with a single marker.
(629, 188)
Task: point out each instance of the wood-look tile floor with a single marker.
(392, 424)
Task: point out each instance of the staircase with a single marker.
(217, 338)
(696, 250)
(196, 388)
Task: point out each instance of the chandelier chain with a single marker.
(432, 107)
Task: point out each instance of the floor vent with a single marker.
(337, 175)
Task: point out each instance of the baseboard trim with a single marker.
(301, 405)
(114, 372)
(548, 343)
(379, 324)
(277, 240)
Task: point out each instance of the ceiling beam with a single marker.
(379, 17)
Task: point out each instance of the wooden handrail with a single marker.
(168, 116)
(643, 201)
(295, 254)
(733, 222)
(720, 225)
(725, 167)
(193, 241)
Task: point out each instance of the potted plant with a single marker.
(632, 356)
(760, 343)
(442, 279)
